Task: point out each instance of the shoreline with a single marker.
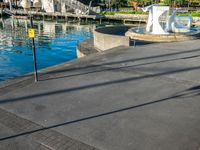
(84, 49)
(28, 78)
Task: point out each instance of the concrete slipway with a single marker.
(142, 98)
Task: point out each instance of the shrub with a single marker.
(194, 14)
(122, 12)
(108, 13)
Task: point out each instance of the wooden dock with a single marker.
(55, 15)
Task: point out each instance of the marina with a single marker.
(55, 43)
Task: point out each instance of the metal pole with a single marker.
(134, 43)
(188, 5)
(109, 5)
(10, 5)
(34, 53)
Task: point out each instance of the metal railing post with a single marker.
(34, 53)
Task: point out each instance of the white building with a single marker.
(51, 6)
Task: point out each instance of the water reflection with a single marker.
(55, 43)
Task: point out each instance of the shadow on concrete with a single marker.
(187, 93)
(140, 43)
(191, 92)
(122, 61)
(95, 85)
(102, 69)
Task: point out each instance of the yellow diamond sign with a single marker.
(31, 33)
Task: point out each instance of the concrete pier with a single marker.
(144, 97)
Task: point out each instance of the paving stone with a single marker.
(47, 140)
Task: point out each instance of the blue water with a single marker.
(55, 44)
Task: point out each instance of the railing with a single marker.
(7, 11)
(79, 8)
(74, 4)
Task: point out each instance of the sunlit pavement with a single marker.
(144, 97)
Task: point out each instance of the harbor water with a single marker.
(55, 43)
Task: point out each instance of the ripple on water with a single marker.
(55, 44)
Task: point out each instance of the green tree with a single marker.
(175, 3)
(136, 3)
(118, 3)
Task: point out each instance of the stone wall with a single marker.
(135, 17)
(140, 18)
(110, 37)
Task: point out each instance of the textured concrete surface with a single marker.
(144, 97)
(21, 134)
(85, 48)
